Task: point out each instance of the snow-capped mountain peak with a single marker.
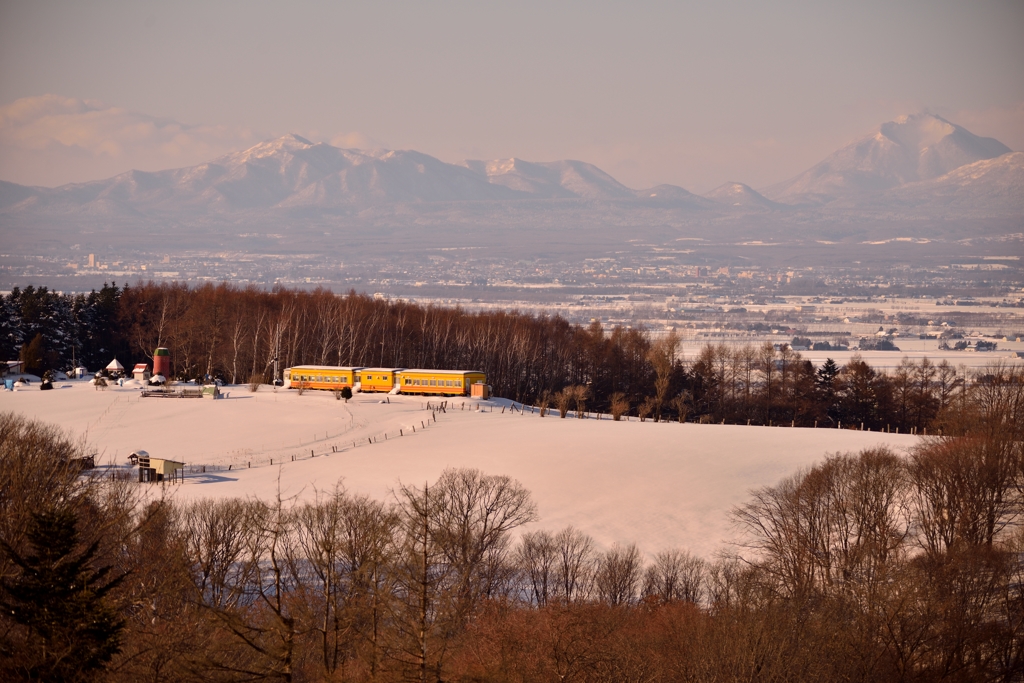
(738, 194)
(910, 149)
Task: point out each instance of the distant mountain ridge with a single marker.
(916, 163)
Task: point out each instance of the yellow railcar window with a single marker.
(458, 382)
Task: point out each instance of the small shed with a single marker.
(11, 367)
(115, 368)
(134, 456)
(159, 469)
(481, 390)
(141, 372)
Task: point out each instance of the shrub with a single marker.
(620, 405)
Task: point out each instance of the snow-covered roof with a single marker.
(441, 372)
(114, 365)
(140, 367)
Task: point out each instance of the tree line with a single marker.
(237, 333)
(869, 566)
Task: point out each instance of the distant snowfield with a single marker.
(660, 485)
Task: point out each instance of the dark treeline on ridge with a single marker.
(234, 334)
(869, 566)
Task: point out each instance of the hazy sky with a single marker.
(689, 93)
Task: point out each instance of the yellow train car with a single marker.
(439, 382)
(328, 377)
(377, 380)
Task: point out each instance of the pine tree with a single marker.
(10, 327)
(68, 630)
(826, 379)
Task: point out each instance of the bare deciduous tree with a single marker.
(581, 393)
(563, 399)
(575, 568)
(537, 557)
(646, 408)
(619, 405)
(618, 576)
(675, 575)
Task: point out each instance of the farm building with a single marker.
(158, 469)
(141, 372)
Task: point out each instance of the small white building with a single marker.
(141, 372)
(11, 367)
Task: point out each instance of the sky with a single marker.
(689, 93)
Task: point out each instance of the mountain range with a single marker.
(919, 166)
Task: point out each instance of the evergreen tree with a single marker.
(827, 374)
(10, 327)
(68, 630)
(99, 321)
(825, 380)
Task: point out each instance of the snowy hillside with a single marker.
(551, 180)
(909, 149)
(978, 186)
(738, 194)
(675, 196)
(660, 485)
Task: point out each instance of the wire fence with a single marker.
(252, 459)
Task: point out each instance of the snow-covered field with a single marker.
(659, 485)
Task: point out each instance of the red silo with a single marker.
(162, 362)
